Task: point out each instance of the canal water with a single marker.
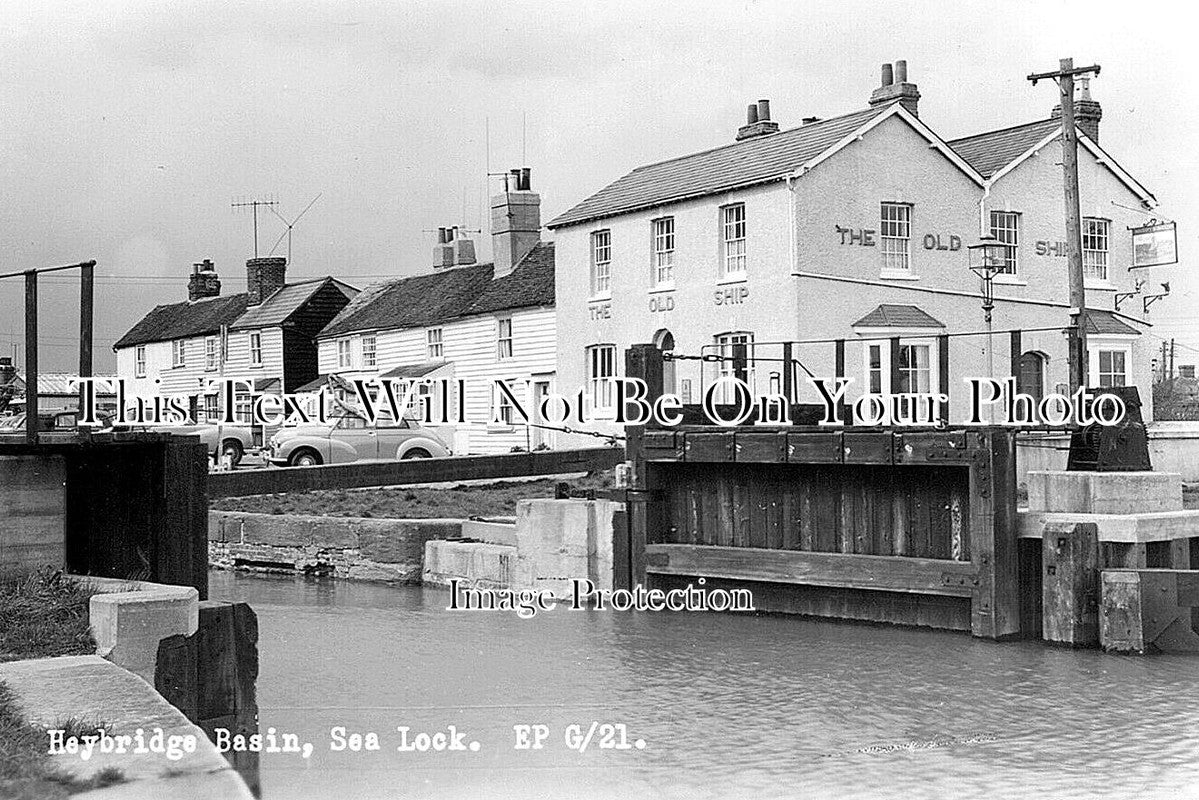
(725, 705)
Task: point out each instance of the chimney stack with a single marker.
(757, 121)
(203, 281)
(443, 251)
(895, 86)
(515, 221)
(264, 277)
(1087, 112)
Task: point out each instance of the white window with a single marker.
(178, 349)
(212, 353)
(726, 348)
(896, 235)
(212, 408)
(601, 263)
(914, 371)
(1112, 368)
(601, 365)
(663, 251)
(433, 345)
(139, 361)
(368, 351)
(1094, 247)
(733, 237)
(503, 405)
(1005, 227)
(503, 338)
(343, 354)
(256, 348)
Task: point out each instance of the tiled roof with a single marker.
(992, 151)
(445, 295)
(889, 315)
(59, 383)
(752, 161)
(286, 301)
(414, 370)
(186, 319)
(1102, 322)
(531, 283)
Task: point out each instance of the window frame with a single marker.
(139, 361)
(254, 342)
(373, 350)
(1010, 237)
(504, 344)
(889, 250)
(724, 344)
(1100, 344)
(178, 353)
(662, 250)
(601, 269)
(881, 338)
(1098, 270)
(434, 347)
(212, 353)
(734, 248)
(602, 395)
(345, 354)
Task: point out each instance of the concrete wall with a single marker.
(32, 514)
(344, 547)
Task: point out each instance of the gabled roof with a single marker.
(991, 151)
(277, 308)
(1105, 322)
(439, 297)
(760, 159)
(184, 320)
(530, 283)
(891, 315)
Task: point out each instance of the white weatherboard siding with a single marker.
(469, 345)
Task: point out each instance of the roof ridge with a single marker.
(1001, 130)
(801, 127)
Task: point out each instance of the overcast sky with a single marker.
(126, 129)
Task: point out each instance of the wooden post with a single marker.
(943, 373)
(644, 362)
(995, 611)
(788, 374)
(1070, 584)
(839, 358)
(31, 357)
(1078, 302)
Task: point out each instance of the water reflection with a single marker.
(728, 706)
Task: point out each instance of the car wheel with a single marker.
(417, 452)
(304, 458)
(233, 449)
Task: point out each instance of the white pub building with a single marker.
(855, 227)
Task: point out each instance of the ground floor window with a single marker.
(730, 366)
(915, 374)
(601, 366)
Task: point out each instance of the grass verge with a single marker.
(44, 615)
(463, 501)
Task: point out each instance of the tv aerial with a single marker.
(290, 225)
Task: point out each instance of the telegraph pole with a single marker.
(1078, 296)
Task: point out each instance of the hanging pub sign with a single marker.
(1155, 244)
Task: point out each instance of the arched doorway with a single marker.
(1031, 380)
(664, 341)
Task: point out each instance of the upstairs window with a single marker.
(433, 345)
(139, 361)
(343, 353)
(256, 348)
(1005, 227)
(503, 338)
(368, 351)
(601, 263)
(212, 353)
(733, 236)
(895, 231)
(663, 251)
(1095, 234)
(178, 350)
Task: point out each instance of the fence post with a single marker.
(31, 356)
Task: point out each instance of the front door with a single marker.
(539, 436)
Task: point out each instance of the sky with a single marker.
(127, 129)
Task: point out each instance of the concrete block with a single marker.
(490, 532)
(1136, 528)
(1149, 610)
(559, 541)
(130, 618)
(279, 530)
(474, 563)
(402, 541)
(1060, 491)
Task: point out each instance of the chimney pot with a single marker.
(888, 76)
(751, 114)
(763, 111)
(526, 179)
(901, 71)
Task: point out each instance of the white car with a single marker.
(350, 438)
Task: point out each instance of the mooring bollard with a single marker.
(1070, 585)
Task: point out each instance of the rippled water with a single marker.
(729, 706)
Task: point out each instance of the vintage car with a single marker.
(351, 438)
(50, 421)
(222, 440)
